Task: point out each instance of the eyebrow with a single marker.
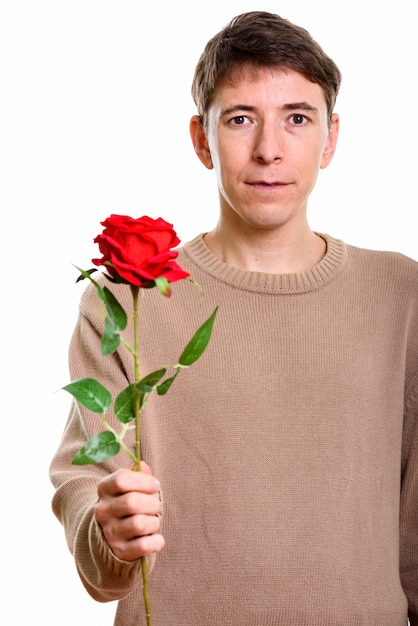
(304, 106)
(290, 106)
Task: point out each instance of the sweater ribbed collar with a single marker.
(330, 266)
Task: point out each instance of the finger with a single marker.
(135, 503)
(135, 526)
(124, 480)
(139, 547)
(125, 536)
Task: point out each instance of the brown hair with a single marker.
(259, 39)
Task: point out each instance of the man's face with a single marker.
(267, 137)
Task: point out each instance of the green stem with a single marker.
(145, 595)
(119, 438)
(137, 377)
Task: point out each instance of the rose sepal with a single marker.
(116, 319)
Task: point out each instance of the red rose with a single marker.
(138, 251)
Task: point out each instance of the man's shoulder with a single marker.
(391, 267)
(390, 258)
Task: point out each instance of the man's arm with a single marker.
(91, 500)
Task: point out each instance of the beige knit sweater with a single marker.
(287, 454)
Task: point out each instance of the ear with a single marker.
(331, 141)
(200, 142)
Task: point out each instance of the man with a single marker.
(281, 483)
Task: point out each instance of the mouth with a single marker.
(268, 185)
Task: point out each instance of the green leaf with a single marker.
(147, 383)
(98, 449)
(110, 339)
(114, 322)
(115, 310)
(125, 401)
(125, 405)
(90, 393)
(166, 384)
(198, 342)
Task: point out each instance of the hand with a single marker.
(128, 512)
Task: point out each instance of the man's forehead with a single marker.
(287, 80)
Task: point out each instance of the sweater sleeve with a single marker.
(105, 577)
(409, 504)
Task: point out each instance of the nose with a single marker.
(268, 148)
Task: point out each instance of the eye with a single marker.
(239, 120)
(298, 119)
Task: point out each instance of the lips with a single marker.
(276, 184)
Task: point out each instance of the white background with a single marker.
(94, 111)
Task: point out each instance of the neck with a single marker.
(275, 252)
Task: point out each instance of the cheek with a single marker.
(219, 163)
(230, 159)
(312, 158)
(226, 174)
